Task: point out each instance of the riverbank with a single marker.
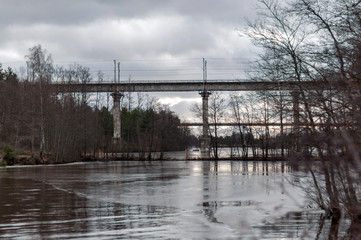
(26, 157)
(23, 159)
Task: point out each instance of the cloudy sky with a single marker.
(152, 39)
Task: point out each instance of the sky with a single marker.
(151, 39)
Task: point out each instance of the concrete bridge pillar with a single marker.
(296, 118)
(116, 115)
(205, 139)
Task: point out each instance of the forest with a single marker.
(58, 128)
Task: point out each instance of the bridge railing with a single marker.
(153, 81)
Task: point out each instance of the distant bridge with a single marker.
(223, 124)
(255, 124)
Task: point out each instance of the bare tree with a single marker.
(243, 112)
(320, 41)
(217, 111)
(41, 67)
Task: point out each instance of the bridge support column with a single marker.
(116, 116)
(296, 119)
(205, 139)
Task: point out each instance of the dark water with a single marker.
(155, 200)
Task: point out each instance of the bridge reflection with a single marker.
(241, 167)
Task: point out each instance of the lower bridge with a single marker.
(224, 124)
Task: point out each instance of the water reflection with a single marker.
(247, 167)
(153, 200)
(48, 212)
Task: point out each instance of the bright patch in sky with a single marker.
(171, 101)
(9, 54)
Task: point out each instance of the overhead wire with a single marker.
(152, 68)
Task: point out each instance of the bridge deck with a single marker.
(187, 86)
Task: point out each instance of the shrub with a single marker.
(2, 163)
(8, 154)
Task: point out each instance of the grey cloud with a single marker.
(123, 29)
(99, 30)
(69, 12)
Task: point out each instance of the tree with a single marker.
(320, 41)
(9, 107)
(217, 111)
(41, 69)
(240, 109)
(2, 74)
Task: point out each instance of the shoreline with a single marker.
(26, 160)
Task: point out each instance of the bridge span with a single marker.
(230, 124)
(188, 86)
(254, 124)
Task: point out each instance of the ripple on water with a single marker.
(122, 200)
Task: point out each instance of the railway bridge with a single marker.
(204, 88)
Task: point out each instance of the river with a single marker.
(156, 200)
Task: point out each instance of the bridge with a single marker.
(245, 124)
(188, 86)
(203, 87)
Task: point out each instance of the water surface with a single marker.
(154, 200)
